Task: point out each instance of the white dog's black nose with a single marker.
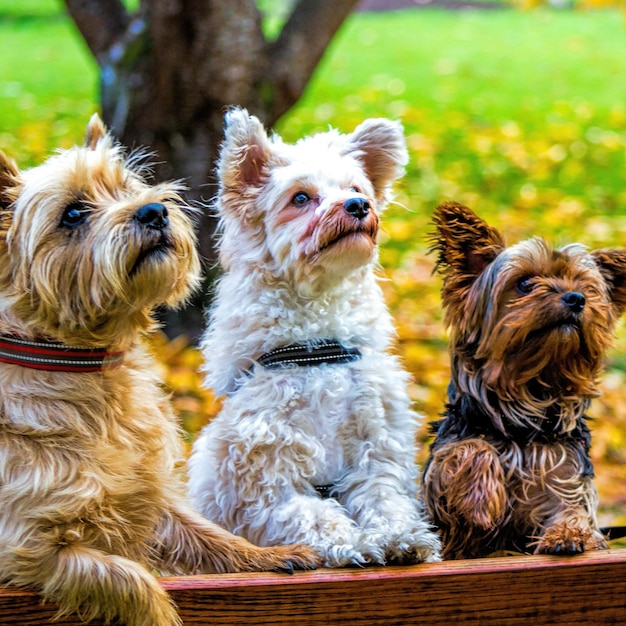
(358, 207)
(574, 300)
(153, 215)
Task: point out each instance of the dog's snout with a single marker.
(574, 301)
(358, 207)
(153, 215)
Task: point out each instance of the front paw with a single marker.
(422, 546)
(564, 540)
(288, 558)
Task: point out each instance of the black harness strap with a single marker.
(329, 352)
(324, 490)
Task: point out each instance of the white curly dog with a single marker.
(316, 439)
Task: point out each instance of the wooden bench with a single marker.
(587, 590)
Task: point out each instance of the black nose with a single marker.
(153, 215)
(358, 207)
(574, 300)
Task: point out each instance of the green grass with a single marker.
(48, 80)
(24, 9)
(492, 65)
(508, 111)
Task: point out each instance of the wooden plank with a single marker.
(588, 589)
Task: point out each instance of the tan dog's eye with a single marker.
(74, 215)
(300, 198)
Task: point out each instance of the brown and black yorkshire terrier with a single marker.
(529, 327)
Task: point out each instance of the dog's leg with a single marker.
(379, 489)
(464, 491)
(384, 504)
(571, 526)
(264, 493)
(555, 501)
(188, 543)
(91, 583)
(299, 518)
(324, 525)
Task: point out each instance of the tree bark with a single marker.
(169, 72)
(298, 49)
(100, 22)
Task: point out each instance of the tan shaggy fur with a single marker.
(91, 502)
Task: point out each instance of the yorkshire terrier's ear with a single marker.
(612, 264)
(245, 151)
(96, 130)
(380, 146)
(464, 243)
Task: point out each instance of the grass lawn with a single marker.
(521, 115)
(512, 109)
(48, 80)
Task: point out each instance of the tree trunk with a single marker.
(169, 72)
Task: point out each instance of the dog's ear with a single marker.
(464, 243)
(96, 130)
(245, 151)
(612, 265)
(9, 179)
(380, 146)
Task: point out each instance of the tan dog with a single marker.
(90, 500)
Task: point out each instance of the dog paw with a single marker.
(347, 555)
(563, 540)
(287, 559)
(419, 547)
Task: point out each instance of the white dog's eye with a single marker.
(355, 189)
(74, 215)
(300, 198)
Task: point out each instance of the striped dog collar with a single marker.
(330, 352)
(56, 357)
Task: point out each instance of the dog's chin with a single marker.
(151, 257)
(564, 329)
(559, 329)
(352, 250)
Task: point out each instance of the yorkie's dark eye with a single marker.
(300, 198)
(74, 215)
(525, 286)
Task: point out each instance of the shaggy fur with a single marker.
(90, 501)
(299, 268)
(529, 327)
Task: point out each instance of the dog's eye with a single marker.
(300, 198)
(355, 189)
(525, 286)
(74, 215)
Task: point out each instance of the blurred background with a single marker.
(515, 108)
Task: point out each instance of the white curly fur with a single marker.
(300, 273)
